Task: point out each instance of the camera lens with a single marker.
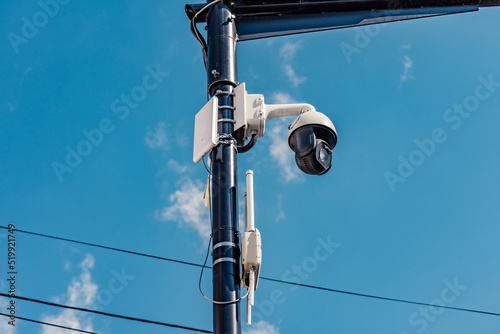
(323, 155)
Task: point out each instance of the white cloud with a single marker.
(279, 205)
(177, 167)
(262, 327)
(82, 293)
(292, 76)
(278, 149)
(407, 64)
(288, 50)
(67, 266)
(281, 153)
(280, 216)
(188, 208)
(5, 328)
(158, 137)
(406, 46)
(287, 54)
(282, 98)
(181, 139)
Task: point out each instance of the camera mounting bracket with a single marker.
(251, 113)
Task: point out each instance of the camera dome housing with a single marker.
(312, 137)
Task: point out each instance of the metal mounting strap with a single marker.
(224, 259)
(226, 120)
(226, 107)
(224, 92)
(224, 243)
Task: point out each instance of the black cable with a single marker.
(200, 40)
(247, 147)
(210, 195)
(204, 164)
(379, 297)
(197, 35)
(210, 241)
(261, 277)
(105, 247)
(49, 324)
(106, 313)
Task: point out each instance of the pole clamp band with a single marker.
(226, 107)
(224, 243)
(226, 120)
(224, 259)
(224, 92)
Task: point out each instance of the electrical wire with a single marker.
(210, 241)
(197, 35)
(106, 313)
(201, 275)
(266, 278)
(211, 155)
(49, 324)
(204, 164)
(380, 297)
(247, 147)
(105, 247)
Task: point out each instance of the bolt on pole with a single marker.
(221, 80)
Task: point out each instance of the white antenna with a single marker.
(250, 219)
(251, 249)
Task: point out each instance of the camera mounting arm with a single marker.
(282, 110)
(251, 113)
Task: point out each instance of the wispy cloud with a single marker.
(67, 266)
(157, 138)
(281, 153)
(292, 76)
(82, 293)
(406, 46)
(279, 206)
(288, 50)
(262, 327)
(282, 98)
(407, 64)
(177, 167)
(181, 139)
(187, 207)
(278, 149)
(287, 54)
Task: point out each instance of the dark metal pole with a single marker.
(222, 78)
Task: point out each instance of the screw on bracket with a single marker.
(215, 73)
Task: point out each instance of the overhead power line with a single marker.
(49, 324)
(261, 277)
(106, 247)
(107, 314)
(382, 298)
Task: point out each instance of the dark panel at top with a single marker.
(269, 18)
(480, 3)
(255, 8)
(245, 8)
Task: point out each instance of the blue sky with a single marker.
(411, 202)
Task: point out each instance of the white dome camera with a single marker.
(312, 137)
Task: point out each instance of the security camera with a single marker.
(312, 137)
